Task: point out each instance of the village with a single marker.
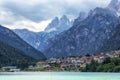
(65, 64)
(72, 63)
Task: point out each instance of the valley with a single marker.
(88, 43)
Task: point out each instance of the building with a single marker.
(10, 69)
(42, 65)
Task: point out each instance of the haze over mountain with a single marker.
(10, 38)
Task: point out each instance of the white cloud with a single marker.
(14, 21)
(36, 14)
(30, 25)
(44, 9)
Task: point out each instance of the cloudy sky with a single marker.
(36, 14)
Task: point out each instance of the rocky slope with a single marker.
(113, 43)
(85, 37)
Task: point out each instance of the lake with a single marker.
(59, 76)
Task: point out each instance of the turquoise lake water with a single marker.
(59, 76)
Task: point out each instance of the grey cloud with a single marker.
(8, 17)
(24, 13)
(48, 9)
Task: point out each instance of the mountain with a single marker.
(89, 34)
(9, 37)
(52, 25)
(113, 43)
(86, 36)
(12, 56)
(59, 25)
(35, 39)
(115, 6)
(39, 39)
(81, 17)
(30, 37)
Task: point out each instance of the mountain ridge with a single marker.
(86, 37)
(39, 39)
(9, 37)
(13, 57)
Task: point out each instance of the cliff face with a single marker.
(86, 37)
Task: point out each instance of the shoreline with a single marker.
(35, 73)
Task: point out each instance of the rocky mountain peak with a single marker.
(52, 26)
(56, 19)
(82, 14)
(113, 3)
(81, 17)
(115, 6)
(64, 18)
(59, 24)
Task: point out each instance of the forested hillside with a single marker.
(10, 56)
